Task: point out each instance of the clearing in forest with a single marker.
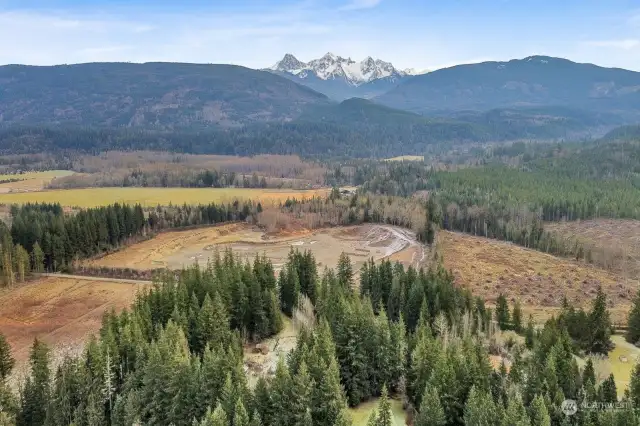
(613, 243)
(31, 181)
(60, 311)
(538, 280)
(177, 249)
(151, 197)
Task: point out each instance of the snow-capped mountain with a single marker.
(342, 78)
(333, 67)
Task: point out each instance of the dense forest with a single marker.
(176, 358)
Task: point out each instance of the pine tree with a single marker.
(502, 313)
(216, 418)
(634, 386)
(539, 413)
(609, 390)
(240, 417)
(633, 322)
(530, 334)
(480, 409)
(6, 360)
(21, 259)
(516, 414)
(35, 395)
(599, 325)
(517, 317)
(431, 411)
(256, 420)
(385, 415)
(345, 271)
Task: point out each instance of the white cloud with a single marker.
(361, 4)
(626, 44)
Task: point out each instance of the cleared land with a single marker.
(614, 243)
(31, 181)
(60, 311)
(407, 158)
(151, 197)
(174, 250)
(360, 414)
(538, 280)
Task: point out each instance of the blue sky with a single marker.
(424, 34)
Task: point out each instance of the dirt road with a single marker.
(91, 278)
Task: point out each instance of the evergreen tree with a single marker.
(516, 414)
(385, 415)
(517, 317)
(608, 390)
(539, 413)
(431, 412)
(634, 386)
(599, 325)
(480, 409)
(633, 322)
(530, 334)
(6, 360)
(502, 313)
(240, 417)
(35, 394)
(345, 271)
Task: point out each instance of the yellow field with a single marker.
(407, 158)
(93, 197)
(31, 181)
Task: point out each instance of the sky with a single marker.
(421, 34)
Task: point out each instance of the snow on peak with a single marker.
(413, 71)
(331, 67)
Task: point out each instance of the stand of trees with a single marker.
(43, 238)
(176, 356)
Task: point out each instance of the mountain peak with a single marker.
(288, 63)
(335, 67)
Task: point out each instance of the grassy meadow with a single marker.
(93, 197)
(361, 413)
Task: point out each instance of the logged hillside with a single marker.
(151, 95)
(532, 81)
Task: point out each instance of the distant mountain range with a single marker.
(342, 78)
(532, 81)
(232, 109)
(151, 95)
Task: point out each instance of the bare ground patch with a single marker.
(175, 250)
(538, 280)
(60, 311)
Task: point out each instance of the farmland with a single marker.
(174, 250)
(31, 181)
(151, 197)
(538, 280)
(61, 311)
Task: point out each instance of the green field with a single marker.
(361, 413)
(93, 197)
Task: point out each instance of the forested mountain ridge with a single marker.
(150, 95)
(536, 80)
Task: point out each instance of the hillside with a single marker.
(151, 95)
(533, 81)
(355, 127)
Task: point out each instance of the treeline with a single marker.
(43, 238)
(162, 178)
(176, 357)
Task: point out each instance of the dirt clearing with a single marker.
(60, 311)
(175, 250)
(538, 280)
